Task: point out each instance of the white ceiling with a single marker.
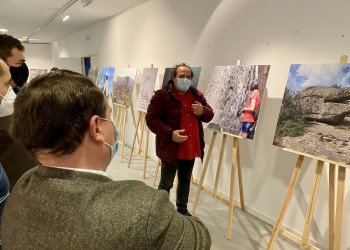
(23, 17)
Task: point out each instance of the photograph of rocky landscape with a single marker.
(227, 92)
(315, 112)
(123, 86)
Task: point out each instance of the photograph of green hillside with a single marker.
(315, 114)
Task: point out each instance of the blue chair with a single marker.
(4, 189)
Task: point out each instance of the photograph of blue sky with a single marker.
(302, 76)
(106, 79)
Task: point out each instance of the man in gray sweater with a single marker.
(68, 202)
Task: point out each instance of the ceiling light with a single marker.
(3, 30)
(64, 17)
(85, 2)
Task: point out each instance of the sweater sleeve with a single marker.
(155, 112)
(168, 229)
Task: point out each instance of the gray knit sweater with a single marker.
(52, 208)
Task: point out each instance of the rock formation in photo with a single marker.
(324, 104)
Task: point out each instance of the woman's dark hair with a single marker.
(254, 85)
(53, 111)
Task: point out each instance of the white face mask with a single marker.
(114, 147)
(6, 105)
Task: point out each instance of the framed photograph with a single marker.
(235, 93)
(315, 114)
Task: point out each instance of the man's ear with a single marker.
(95, 130)
(2, 69)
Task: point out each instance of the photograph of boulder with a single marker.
(147, 82)
(315, 114)
(106, 80)
(235, 93)
(196, 73)
(123, 86)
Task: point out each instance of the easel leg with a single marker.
(340, 204)
(311, 207)
(146, 154)
(231, 202)
(134, 139)
(291, 186)
(207, 158)
(156, 172)
(134, 120)
(117, 117)
(123, 134)
(218, 170)
(331, 205)
(142, 129)
(240, 181)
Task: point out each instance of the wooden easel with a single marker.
(133, 115)
(335, 206)
(235, 161)
(120, 120)
(141, 120)
(121, 113)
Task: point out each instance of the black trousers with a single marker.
(184, 172)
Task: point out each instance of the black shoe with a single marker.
(186, 213)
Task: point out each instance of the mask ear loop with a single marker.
(3, 97)
(3, 72)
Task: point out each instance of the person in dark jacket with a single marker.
(15, 159)
(175, 114)
(5, 77)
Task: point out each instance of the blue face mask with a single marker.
(183, 84)
(114, 147)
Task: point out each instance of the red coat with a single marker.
(164, 116)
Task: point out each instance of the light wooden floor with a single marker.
(248, 232)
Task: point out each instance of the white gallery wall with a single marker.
(38, 56)
(208, 33)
